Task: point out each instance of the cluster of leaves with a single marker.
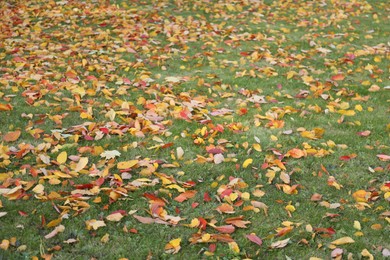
(247, 128)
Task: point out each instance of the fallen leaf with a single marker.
(58, 229)
(105, 238)
(247, 162)
(114, 217)
(255, 239)
(62, 157)
(173, 246)
(336, 252)
(280, 243)
(185, 195)
(81, 164)
(366, 253)
(218, 158)
(94, 224)
(342, 241)
(383, 157)
(12, 136)
(127, 164)
(110, 154)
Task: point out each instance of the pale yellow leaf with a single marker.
(114, 217)
(81, 164)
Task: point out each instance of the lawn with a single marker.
(194, 129)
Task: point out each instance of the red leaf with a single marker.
(227, 229)
(255, 239)
(206, 197)
(99, 182)
(203, 223)
(84, 186)
(212, 247)
(22, 213)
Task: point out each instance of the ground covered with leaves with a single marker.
(197, 129)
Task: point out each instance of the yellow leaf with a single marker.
(206, 237)
(233, 196)
(54, 222)
(94, 224)
(234, 247)
(175, 242)
(291, 74)
(290, 208)
(245, 196)
(356, 225)
(173, 246)
(4, 244)
(81, 164)
(359, 108)
(126, 164)
(361, 195)
(365, 253)
(247, 162)
(105, 238)
(194, 223)
(346, 112)
(61, 158)
(343, 240)
(257, 147)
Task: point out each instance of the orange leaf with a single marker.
(185, 195)
(5, 107)
(338, 77)
(12, 136)
(225, 208)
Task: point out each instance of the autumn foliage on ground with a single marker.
(164, 129)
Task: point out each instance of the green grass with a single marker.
(211, 49)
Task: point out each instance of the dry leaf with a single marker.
(81, 164)
(12, 136)
(342, 241)
(280, 244)
(56, 230)
(62, 157)
(255, 239)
